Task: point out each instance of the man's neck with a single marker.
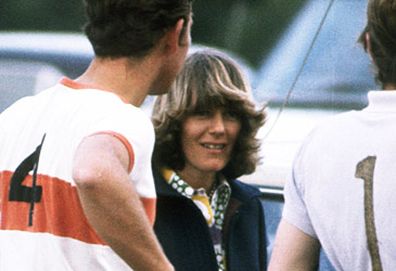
(130, 81)
(389, 86)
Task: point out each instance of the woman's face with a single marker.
(208, 139)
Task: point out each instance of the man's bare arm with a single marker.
(294, 250)
(112, 205)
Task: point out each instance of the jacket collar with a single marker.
(239, 190)
(162, 187)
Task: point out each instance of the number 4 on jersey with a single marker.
(19, 192)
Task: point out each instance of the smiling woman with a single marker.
(205, 128)
(207, 140)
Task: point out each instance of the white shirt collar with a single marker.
(381, 101)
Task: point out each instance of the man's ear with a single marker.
(368, 45)
(184, 36)
(176, 36)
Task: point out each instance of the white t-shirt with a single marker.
(60, 237)
(326, 196)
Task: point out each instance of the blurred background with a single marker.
(301, 57)
(248, 28)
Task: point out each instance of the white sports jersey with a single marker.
(344, 183)
(43, 226)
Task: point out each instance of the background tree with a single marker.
(246, 27)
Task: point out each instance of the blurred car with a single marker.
(335, 77)
(33, 61)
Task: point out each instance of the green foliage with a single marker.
(246, 27)
(46, 15)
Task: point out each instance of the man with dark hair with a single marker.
(341, 195)
(76, 187)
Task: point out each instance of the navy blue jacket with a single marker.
(185, 238)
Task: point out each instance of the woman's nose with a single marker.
(217, 123)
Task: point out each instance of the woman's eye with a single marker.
(231, 115)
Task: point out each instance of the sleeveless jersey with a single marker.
(42, 224)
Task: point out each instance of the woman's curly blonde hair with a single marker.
(209, 80)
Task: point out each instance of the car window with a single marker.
(22, 78)
(337, 72)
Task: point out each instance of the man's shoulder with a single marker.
(333, 126)
(338, 120)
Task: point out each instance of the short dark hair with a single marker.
(131, 28)
(381, 26)
(208, 80)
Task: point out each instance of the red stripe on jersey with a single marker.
(77, 85)
(59, 211)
